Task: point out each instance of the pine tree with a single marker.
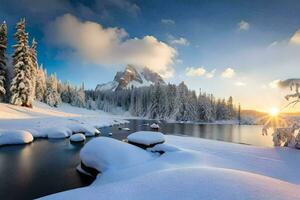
(40, 87)
(52, 97)
(34, 66)
(79, 97)
(21, 86)
(3, 72)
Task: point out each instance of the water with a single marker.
(49, 166)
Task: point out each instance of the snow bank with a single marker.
(78, 137)
(163, 148)
(58, 133)
(147, 138)
(190, 168)
(42, 116)
(107, 154)
(15, 137)
(189, 183)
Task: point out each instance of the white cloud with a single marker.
(211, 74)
(191, 71)
(180, 41)
(240, 84)
(95, 44)
(228, 73)
(243, 25)
(274, 84)
(167, 21)
(295, 39)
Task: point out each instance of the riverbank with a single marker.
(43, 119)
(193, 168)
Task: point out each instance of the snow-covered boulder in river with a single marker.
(58, 132)
(78, 137)
(105, 153)
(83, 128)
(154, 126)
(15, 137)
(146, 139)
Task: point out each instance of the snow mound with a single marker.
(58, 133)
(163, 148)
(83, 128)
(15, 137)
(78, 137)
(37, 133)
(189, 183)
(107, 154)
(147, 138)
(154, 126)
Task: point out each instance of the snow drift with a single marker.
(190, 168)
(107, 154)
(15, 137)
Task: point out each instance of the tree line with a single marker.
(164, 101)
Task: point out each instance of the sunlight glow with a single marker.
(274, 112)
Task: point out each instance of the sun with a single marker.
(274, 112)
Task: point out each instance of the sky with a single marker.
(228, 48)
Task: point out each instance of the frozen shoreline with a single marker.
(45, 121)
(195, 168)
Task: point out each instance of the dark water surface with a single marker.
(49, 166)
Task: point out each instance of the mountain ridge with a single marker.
(131, 77)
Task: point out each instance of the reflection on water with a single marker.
(245, 134)
(49, 166)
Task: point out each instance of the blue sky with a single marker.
(237, 48)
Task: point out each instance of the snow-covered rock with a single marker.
(58, 132)
(146, 138)
(105, 153)
(83, 128)
(126, 129)
(15, 137)
(154, 126)
(78, 137)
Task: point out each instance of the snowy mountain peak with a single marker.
(131, 77)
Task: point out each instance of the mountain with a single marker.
(131, 77)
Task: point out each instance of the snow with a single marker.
(42, 120)
(190, 168)
(105, 154)
(154, 126)
(78, 137)
(58, 133)
(87, 130)
(146, 137)
(8, 137)
(163, 148)
(126, 129)
(107, 86)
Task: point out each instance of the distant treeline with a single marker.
(162, 101)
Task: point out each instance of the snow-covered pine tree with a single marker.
(40, 87)
(79, 97)
(52, 97)
(21, 85)
(34, 66)
(181, 102)
(3, 72)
